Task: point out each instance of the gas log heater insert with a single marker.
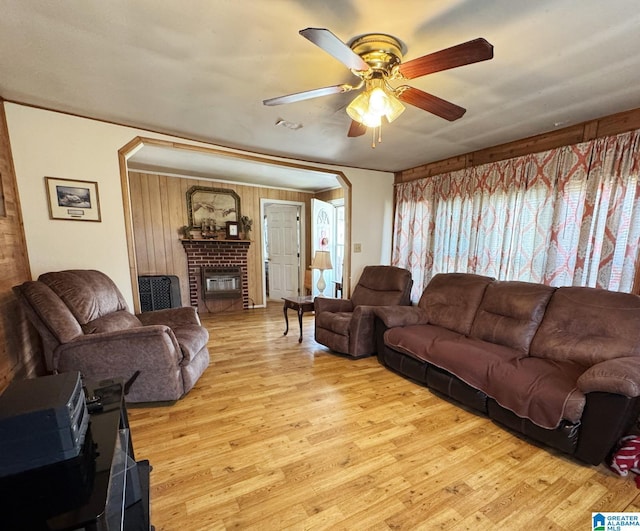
(221, 282)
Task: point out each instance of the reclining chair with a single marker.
(346, 325)
(85, 326)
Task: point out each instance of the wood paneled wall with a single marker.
(159, 209)
(20, 350)
(330, 195)
(609, 125)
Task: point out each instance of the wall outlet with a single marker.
(357, 247)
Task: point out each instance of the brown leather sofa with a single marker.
(558, 365)
(85, 326)
(346, 325)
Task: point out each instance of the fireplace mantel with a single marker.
(209, 252)
(213, 240)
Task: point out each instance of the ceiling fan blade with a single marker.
(308, 94)
(430, 103)
(356, 129)
(460, 55)
(333, 46)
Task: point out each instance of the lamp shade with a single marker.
(321, 260)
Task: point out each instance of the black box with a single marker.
(42, 421)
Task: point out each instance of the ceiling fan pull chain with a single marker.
(373, 135)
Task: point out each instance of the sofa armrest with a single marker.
(363, 316)
(322, 304)
(618, 375)
(184, 315)
(150, 351)
(139, 347)
(393, 316)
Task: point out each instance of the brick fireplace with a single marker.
(216, 254)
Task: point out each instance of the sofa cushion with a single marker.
(88, 294)
(510, 313)
(541, 390)
(588, 325)
(383, 286)
(337, 322)
(417, 341)
(470, 359)
(113, 322)
(192, 339)
(451, 300)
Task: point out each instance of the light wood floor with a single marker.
(280, 435)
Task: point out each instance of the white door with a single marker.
(283, 250)
(323, 238)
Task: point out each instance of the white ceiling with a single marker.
(200, 164)
(200, 69)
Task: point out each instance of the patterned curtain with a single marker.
(607, 247)
(565, 216)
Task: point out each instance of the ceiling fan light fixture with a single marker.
(393, 107)
(358, 110)
(376, 101)
(377, 59)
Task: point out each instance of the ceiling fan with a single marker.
(376, 59)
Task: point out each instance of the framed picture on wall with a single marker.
(233, 230)
(72, 200)
(212, 206)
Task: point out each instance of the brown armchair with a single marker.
(346, 325)
(85, 326)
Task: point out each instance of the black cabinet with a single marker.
(103, 489)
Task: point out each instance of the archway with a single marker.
(129, 151)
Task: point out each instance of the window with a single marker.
(569, 216)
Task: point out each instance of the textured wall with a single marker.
(20, 353)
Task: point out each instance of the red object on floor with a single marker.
(627, 457)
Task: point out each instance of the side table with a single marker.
(299, 304)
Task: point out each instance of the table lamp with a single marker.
(321, 261)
